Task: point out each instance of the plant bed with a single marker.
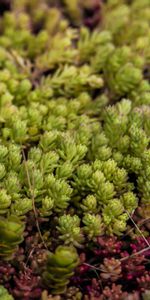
(75, 150)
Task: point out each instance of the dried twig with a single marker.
(135, 254)
(141, 233)
(142, 222)
(33, 199)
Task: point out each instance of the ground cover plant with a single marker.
(75, 150)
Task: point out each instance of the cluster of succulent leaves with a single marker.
(60, 267)
(4, 295)
(74, 121)
(115, 261)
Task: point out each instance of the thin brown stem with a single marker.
(142, 222)
(135, 254)
(33, 199)
(138, 229)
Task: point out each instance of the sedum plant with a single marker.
(60, 266)
(73, 165)
(4, 295)
(11, 235)
(74, 126)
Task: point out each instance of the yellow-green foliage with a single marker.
(74, 120)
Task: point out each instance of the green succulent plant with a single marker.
(74, 126)
(59, 268)
(74, 119)
(4, 295)
(11, 235)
